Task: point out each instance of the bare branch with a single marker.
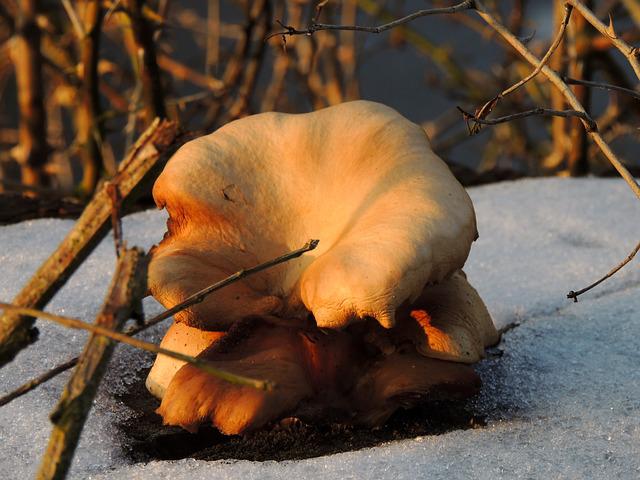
(603, 86)
(592, 126)
(315, 27)
(88, 111)
(612, 272)
(39, 380)
(148, 66)
(202, 294)
(545, 59)
(116, 219)
(32, 151)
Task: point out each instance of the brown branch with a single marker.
(235, 65)
(612, 272)
(183, 72)
(204, 365)
(148, 66)
(88, 112)
(315, 27)
(603, 86)
(632, 54)
(32, 151)
(136, 172)
(116, 218)
(556, 159)
(252, 65)
(126, 290)
(591, 124)
(580, 66)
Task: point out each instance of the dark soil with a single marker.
(147, 439)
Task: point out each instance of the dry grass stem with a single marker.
(140, 344)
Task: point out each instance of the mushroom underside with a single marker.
(359, 375)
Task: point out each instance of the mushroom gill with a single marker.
(379, 316)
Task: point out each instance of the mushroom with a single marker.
(378, 314)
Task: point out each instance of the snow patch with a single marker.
(563, 400)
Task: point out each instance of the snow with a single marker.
(563, 400)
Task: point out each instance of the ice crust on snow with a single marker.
(563, 400)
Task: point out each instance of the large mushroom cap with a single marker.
(359, 177)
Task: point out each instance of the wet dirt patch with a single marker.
(145, 438)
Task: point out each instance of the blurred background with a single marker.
(80, 80)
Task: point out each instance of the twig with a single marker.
(212, 55)
(556, 159)
(555, 79)
(486, 109)
(204, 365)
(439, 55)
(574, 295)
(116, 219)
(592, 126)
(148, 67)
(235, 65)
(202, 294)
(127, 288)
(315, 27)
(136, 172)
(603, 86)
(32, 384)
(545, 59)
(39, 380)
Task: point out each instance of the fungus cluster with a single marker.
(379, 316)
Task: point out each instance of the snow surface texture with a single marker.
(563, 401)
